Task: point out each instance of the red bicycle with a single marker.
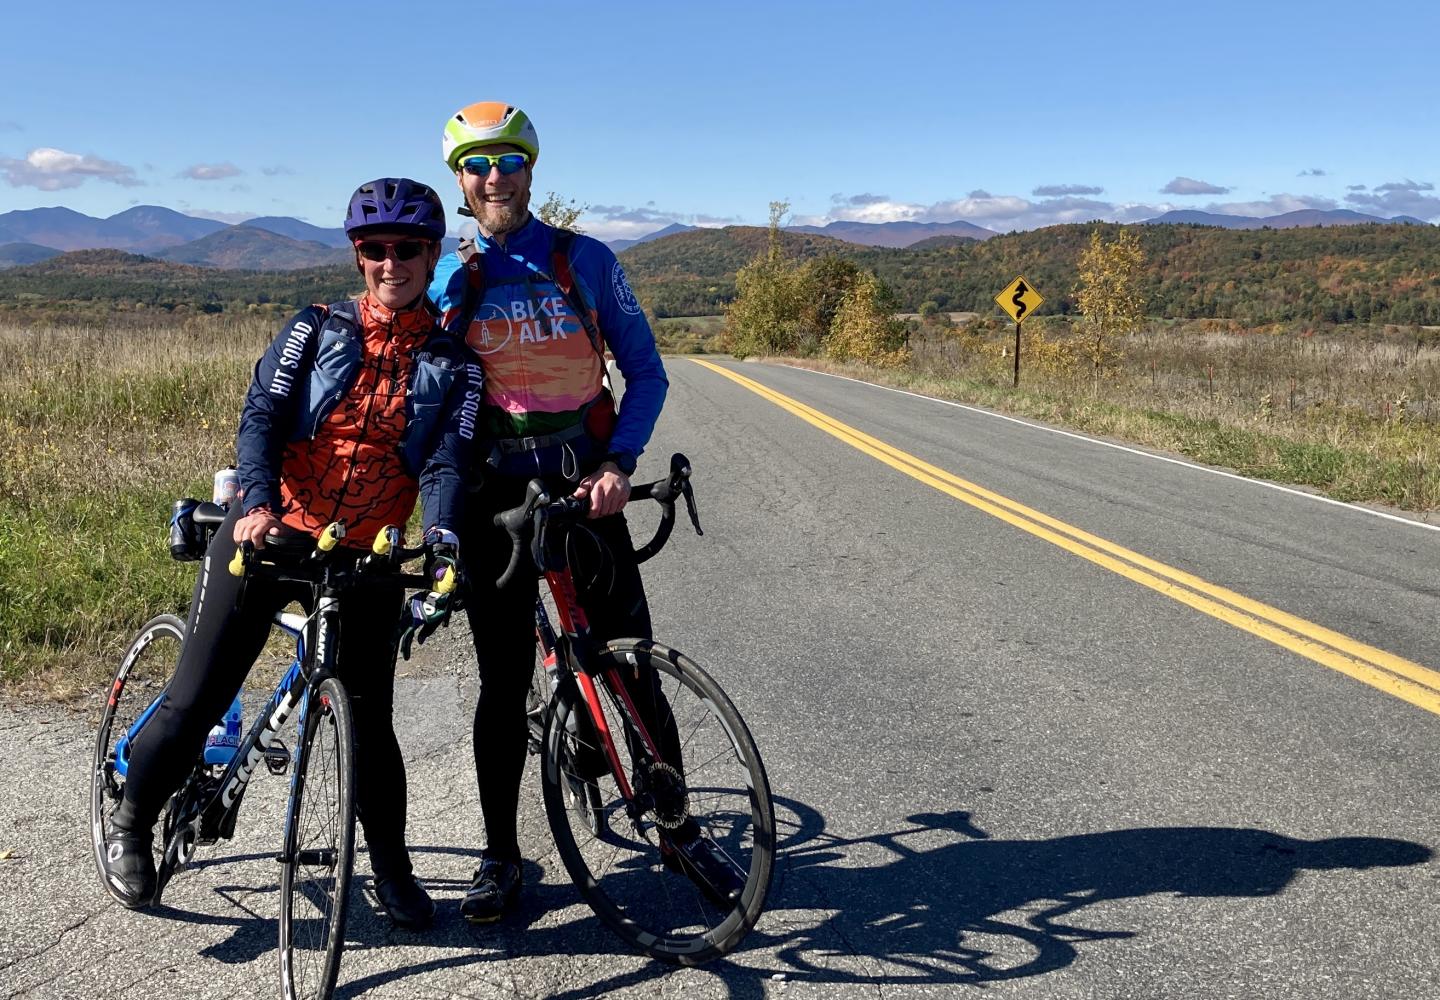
(653, 787)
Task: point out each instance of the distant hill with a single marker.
(302, 231)
(937, 242)
(894, 234)
(244, 247)
(13, 254)
(1289, 220)
(659, 234)
(144, 227)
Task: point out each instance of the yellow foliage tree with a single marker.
(765, 316)
(864, 329)
(1109, 295)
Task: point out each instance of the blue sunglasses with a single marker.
(506, 163)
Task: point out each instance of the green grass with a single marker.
(99, 433)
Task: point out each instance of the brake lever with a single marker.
(689, 493)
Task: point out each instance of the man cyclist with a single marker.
(353, 410)
(540, 306)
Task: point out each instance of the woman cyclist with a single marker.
(354, 410)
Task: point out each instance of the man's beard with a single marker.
(502, 219)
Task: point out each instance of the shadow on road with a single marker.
(967, 907)
(938, 901)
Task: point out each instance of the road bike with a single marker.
(318, 853)
(649, 786)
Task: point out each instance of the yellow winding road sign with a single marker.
(1019, 299)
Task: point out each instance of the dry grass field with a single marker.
(103, 426)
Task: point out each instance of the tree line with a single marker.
(1336, 274)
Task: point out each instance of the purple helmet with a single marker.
(396, 204)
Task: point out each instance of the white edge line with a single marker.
(1133, 451)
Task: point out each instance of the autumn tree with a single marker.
(560, 212)
(765, 315)
(865, 328)
(1109, 295)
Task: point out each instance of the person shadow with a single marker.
(937, 901)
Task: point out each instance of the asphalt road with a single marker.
(1004, 766)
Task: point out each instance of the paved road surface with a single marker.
(1004, 767)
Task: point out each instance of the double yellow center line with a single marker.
(1392, 674)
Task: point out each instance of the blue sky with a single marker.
(1003, 114)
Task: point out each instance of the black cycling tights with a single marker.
(502, 626)
(222, 642)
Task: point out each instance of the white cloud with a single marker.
(1001, 213)
(1189, 185)
(55, 170)
(1405, 197)
(1063, 190)
(209, 171)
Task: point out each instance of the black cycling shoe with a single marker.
(407, 903)
(130, 867)
(494, 891)
(702, 861)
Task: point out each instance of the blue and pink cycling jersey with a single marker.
(541, 368)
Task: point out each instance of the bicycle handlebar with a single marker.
(538, 509)
(386, 553)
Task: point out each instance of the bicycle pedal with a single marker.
(277, 758)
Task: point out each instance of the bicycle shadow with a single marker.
(960, 913)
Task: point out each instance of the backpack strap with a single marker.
(565, 281)
(347, 313)
(474, 263)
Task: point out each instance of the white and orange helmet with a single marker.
(486, 122)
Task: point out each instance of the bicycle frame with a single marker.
(581, 643)
(221, 796)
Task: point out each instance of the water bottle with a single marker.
(224, 738)
(182, 530)
(227, 486)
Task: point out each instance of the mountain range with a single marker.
(1289, 220)
(279, 243)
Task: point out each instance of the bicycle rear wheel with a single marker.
(319, 854)
(148, 663)
(638, 891)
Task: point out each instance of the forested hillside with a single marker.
(1334, 274)
(93, 279)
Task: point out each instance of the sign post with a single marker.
(1019, 299)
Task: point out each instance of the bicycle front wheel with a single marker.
(319, 854)
(148, 663)
(716, 797)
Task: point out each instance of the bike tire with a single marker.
(319, 853)
(146, 666)
(619, 870)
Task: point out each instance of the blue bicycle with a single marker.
(318, 854)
